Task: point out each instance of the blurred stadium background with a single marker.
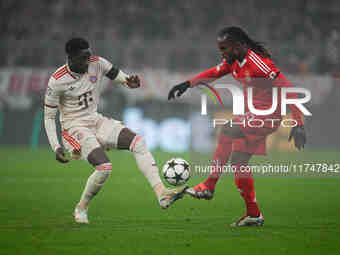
(165, 42)
(165, 45)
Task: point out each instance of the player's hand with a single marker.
(60, 155)
(133, 82)
(180, 89)
(299, 135)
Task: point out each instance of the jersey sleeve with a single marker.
(211, 74)
(281, 81)
(266, 68)
(52, 97)
(263, 67)
(52, 94)
(104, 65)
(113, 73)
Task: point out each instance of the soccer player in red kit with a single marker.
(250, 64)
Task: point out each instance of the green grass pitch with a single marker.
(38, 195)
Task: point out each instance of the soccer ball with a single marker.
(176, 171)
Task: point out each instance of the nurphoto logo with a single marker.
(250, 117)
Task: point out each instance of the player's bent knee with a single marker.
(98, 157)
(103, 172)
(138, 145)
(125, 139)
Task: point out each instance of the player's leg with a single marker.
(221, 157)
(205, 190)
(245, 184)
(102, 170)
(222, 153)
(242, 152)
(101, 163)
(243, 176)
(252, 143)
(128, 140)
(93, 152)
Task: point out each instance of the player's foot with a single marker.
(249, 221)
(201, 191)
(169, 196)
(80, 215)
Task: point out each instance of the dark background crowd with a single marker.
(178, 35)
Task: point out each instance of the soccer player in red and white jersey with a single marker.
(75, 89)
(250, 64)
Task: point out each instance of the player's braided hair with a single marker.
(237, 34)
(74, 45)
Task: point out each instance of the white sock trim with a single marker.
(134, 142)
(105, 166)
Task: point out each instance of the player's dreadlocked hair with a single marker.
(236, 34)
(75, 45)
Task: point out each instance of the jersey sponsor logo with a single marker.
(93, 78)
(85, 99)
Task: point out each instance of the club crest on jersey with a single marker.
(79, 136)
(247, 76)
(93, 78)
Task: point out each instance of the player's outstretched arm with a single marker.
(207, 76)
(131, 81)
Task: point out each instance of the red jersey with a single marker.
(257, 72)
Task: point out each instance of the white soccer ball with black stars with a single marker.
(176, 171)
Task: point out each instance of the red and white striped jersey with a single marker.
(254, 71)
(77, 95)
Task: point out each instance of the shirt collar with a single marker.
(243, 62)
(77, 75)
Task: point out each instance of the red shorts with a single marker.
(256, 129)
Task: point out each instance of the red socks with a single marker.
(245, 183)
(243, 178)
(221, 157)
